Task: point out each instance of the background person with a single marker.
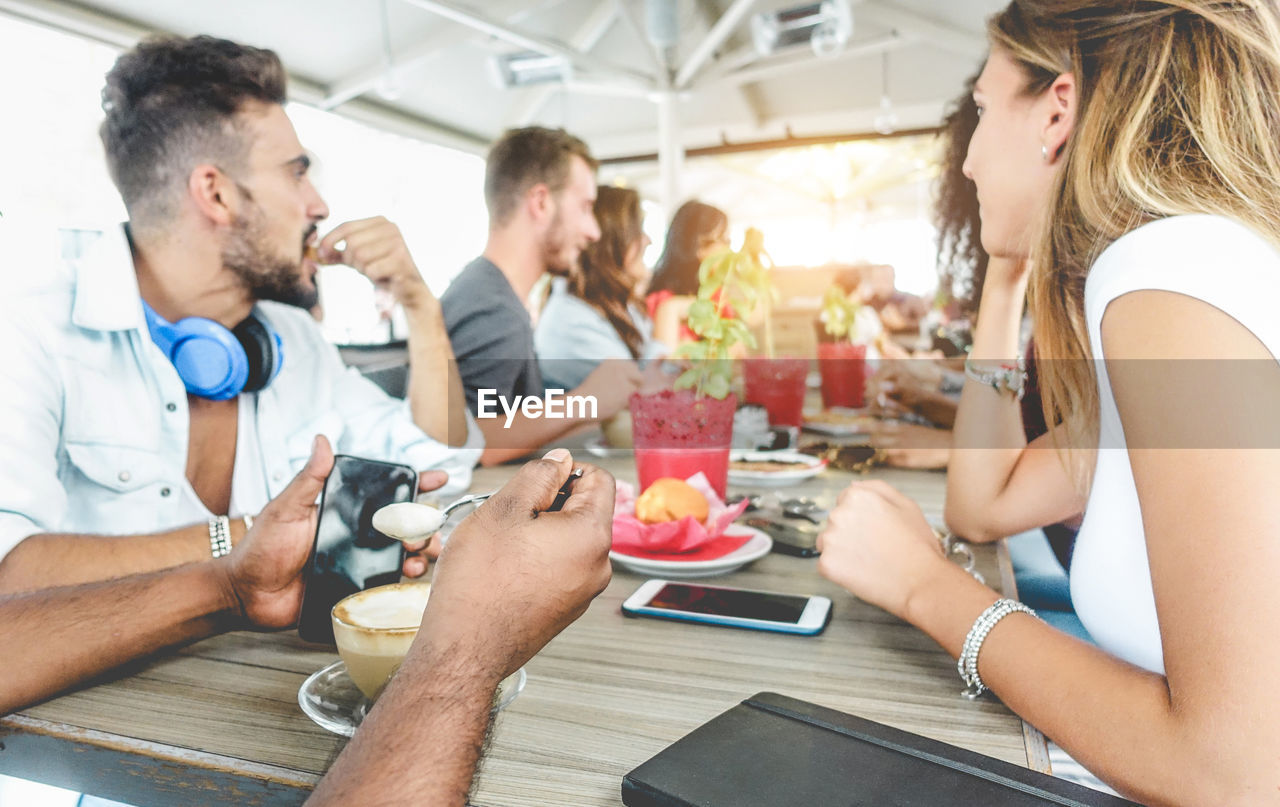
(697, 230)
(596, 313)
(540, 190)
(898, 311)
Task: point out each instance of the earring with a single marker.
(1044, 152)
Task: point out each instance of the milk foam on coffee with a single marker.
(385, 607)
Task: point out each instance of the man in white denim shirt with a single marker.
(99, 434)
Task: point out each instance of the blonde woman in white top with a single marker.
(1132, 151)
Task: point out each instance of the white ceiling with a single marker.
(333, 49)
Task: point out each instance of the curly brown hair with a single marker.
(962, 262)
(174, 102)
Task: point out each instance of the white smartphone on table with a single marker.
(732, 607)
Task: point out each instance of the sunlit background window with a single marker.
(867, 201)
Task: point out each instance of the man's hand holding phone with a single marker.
(264, 570)
(513, 575)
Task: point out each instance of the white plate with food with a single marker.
(772, 468)
(840, 422)
(598, 446)
(671, 566)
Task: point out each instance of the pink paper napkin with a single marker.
(685, 539)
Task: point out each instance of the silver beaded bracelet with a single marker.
(219, 536)
(967, 664)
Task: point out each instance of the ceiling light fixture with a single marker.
(528, 67)
(662, 23)
(886, 122)
(826, 27)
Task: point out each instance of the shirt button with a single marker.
(123, 476)
(165, 491)
(278, 475)
(171, 406)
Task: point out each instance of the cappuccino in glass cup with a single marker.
(374, 629)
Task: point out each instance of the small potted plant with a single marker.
(841, 360)
(777, 384)
(688, 429)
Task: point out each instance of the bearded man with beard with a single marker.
(167, 383)
(540, 190)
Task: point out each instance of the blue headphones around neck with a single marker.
(214, 362)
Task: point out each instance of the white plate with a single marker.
(330, 699)
(597, 447)
(751, 551)
(812, 467)
(840, 429)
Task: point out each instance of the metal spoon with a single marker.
(802, 508)
(411, 521)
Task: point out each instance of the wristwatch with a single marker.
(1001, 377)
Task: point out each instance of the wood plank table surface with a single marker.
(218, 722)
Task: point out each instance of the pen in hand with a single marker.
(562, 495)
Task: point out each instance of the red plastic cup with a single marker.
(778, 386)
(678, 434)
(844, 374)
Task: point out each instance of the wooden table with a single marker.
(218, 722)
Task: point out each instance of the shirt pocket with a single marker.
(110, 403)
(114, 489)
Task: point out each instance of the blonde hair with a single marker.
(1178, 112)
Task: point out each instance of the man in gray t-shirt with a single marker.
(540, 189)
(491, 334)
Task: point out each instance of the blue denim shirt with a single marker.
(94, 420)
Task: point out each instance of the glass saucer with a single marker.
(330, 699)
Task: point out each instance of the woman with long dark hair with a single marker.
(697, 230)
(596, 314)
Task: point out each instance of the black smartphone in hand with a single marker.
(348, 554)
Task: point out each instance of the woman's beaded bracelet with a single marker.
(967, 664)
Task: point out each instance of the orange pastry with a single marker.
(670, 499)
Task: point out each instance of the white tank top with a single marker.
(1231, 268)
